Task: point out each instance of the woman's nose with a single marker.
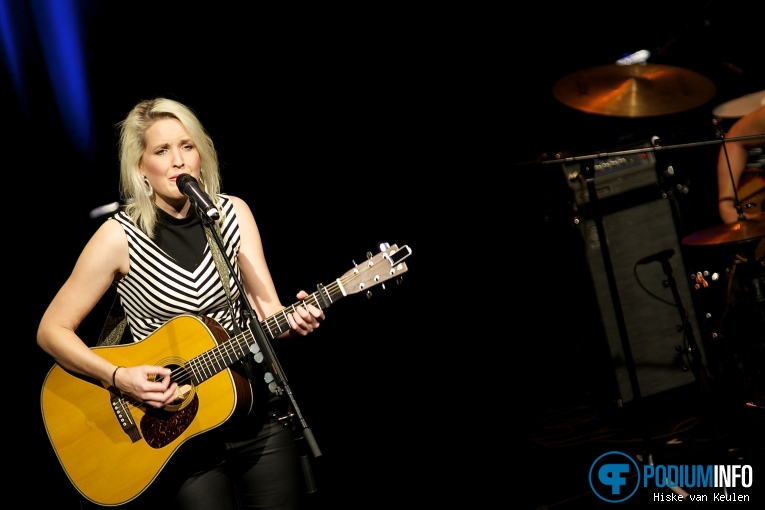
(177, 158)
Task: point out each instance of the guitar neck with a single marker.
(323, 298)
(222, 356)
(375, 270)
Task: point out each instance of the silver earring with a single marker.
(150, 189)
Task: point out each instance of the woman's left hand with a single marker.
(307, 317)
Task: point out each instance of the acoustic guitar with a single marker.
(113, 447)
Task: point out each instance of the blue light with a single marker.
(11, 30)
(58, 27)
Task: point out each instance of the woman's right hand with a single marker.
(148, 383)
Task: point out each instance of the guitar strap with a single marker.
(114, 326)
(222, 269)
(224, 276)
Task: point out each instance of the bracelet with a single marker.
(114, 374)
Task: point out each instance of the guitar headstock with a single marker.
(386, 265)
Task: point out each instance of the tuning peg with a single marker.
(369, 294)
(384, 246)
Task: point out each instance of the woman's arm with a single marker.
(258, 283)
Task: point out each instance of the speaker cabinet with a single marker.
(646, 226)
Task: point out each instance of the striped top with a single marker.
(159, 287)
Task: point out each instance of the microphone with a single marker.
(662, 255)
(190, 187)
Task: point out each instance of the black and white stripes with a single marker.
(157, 289)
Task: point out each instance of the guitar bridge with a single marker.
(125, 417)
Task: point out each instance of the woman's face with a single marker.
(169, 152)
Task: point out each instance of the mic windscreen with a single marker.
(182, 180)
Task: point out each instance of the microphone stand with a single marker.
(702, 377)
(736, 202)
(560, 157)
(696, 365)
(282, 385)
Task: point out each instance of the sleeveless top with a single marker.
(175, 273)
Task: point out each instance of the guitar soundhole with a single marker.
(161, 427)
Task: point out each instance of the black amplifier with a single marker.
(622, 170)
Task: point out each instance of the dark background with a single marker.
(347, 127)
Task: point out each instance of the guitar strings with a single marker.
(236, 347)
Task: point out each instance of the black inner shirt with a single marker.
(183, 239)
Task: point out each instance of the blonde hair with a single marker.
(132, 143)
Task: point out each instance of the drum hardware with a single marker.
(600, 168)
(638, 90)
(743, 230)
(700, 279)
(737, 203)
(692, 351)
(739, 107)
(655, 90)
(739, 320)
(654, 146)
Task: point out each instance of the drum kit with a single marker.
(738, 232)
(649, 90)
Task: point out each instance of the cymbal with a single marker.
(741, 106)
(638, 90)
(737, 232)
